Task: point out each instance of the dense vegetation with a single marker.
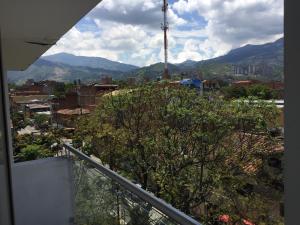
(206, 156)
(259, 91)
(29, 147)
(32, 146)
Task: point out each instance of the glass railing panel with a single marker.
(100, 199)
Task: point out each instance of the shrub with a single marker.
(33, 152)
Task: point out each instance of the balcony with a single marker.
(75, 189)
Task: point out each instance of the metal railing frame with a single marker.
(7, 211)
(159, 204)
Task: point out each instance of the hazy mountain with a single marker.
(92, 62)
(267, 57)
(153, 71)
(46, 70)
(66, 67)
(271, 53)
(187, 64)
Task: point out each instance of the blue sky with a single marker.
(129, 31)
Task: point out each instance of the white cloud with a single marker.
(135, 12)
(233, 23)
(82, 43)
(129, 31)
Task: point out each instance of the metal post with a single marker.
(6, 195)
(165, 27)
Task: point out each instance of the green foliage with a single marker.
(182, 146)
(215, 70)
(41, 120)
(235, 92)
(12, 86)
(18, 120)
(260, 91)
(40, 146)
(32, 152)
(68, 87)
(59, 90)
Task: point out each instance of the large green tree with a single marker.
(190, 150)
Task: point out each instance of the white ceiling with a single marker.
(37, 21)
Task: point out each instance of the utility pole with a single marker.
(165, 27)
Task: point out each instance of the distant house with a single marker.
(192, 83)
(31, 109)
(66, 117)
(105, 87)
(70, 100)
(86, 96)
(49, 86)
(175, 83)
(46, 87)
(245, 83)
(210, 85)
(106, 80)
(19, 102)
(277, 86)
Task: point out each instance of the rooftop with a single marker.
(29, 99)
(38, 106)
(28, 130)
(77, 111)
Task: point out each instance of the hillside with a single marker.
(153, 71)
(267, 58)
(271, 53)
(92, 62)
(46, 70)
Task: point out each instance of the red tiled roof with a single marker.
(243, 82)
(224, 218)
(247, 222)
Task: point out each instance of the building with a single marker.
(70, 100)
(245, 83)
(66, 117)
(34, 108)
(248, 69)
(106, 80)
(102, 88)
(276, 86)
(19, 102)
(86, 95)
(209, 85)
(191, 83)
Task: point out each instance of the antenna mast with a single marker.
(165, 27)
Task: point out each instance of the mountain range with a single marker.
(268, 58)
(92, 62)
